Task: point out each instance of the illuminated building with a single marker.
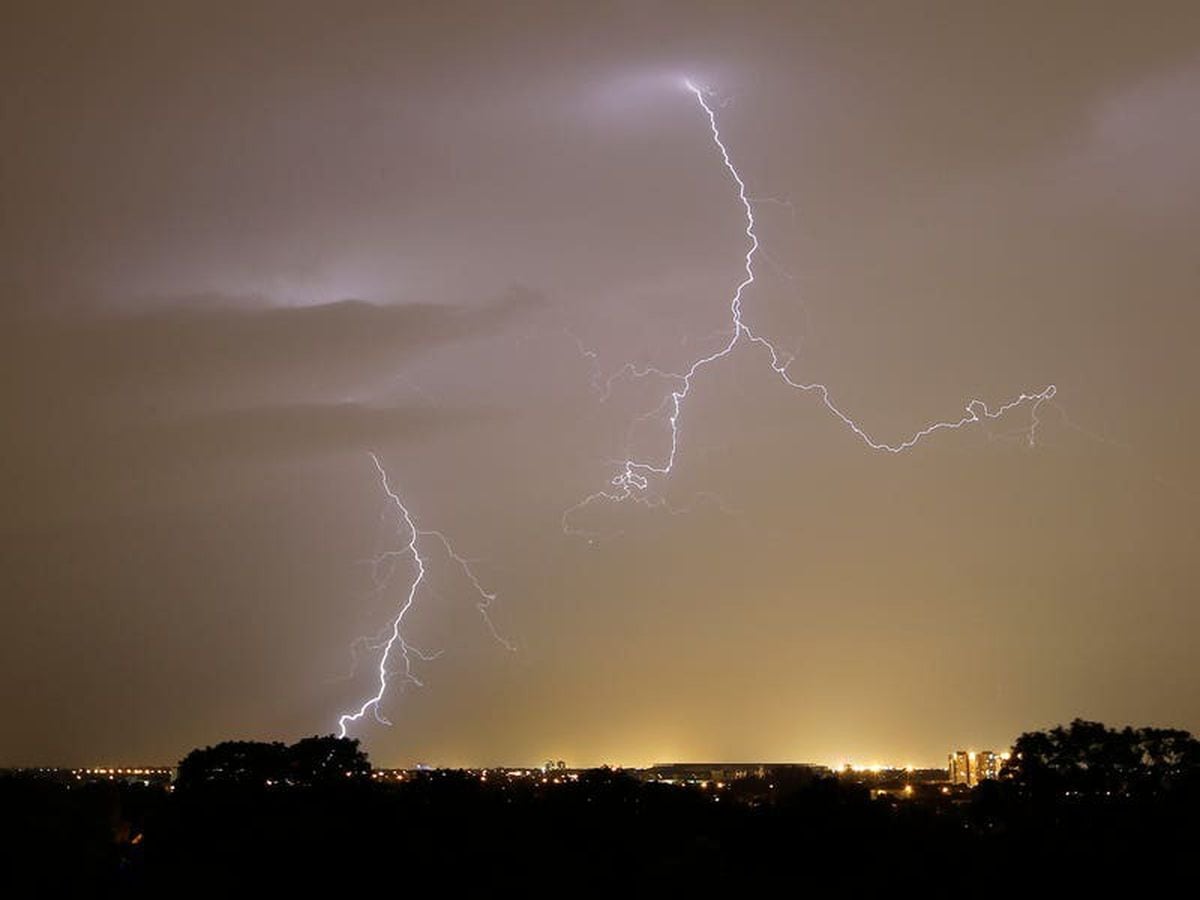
(970, 767)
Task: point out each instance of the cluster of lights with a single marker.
(385, 775)
(699, 782)
(872, 769)
(536, 775)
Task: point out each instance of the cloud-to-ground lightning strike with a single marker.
(633, 479)
(392, 639)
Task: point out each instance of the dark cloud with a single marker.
(208, 348)
(112, 408)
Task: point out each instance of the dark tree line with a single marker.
(1076, 807)
(308, 762)
(1090, 759)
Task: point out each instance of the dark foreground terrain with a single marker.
(1081, 810)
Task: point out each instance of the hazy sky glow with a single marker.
(244, 248)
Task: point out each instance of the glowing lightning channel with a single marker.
(395, 640)
(633, 479)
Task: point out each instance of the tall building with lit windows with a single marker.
(970, 767)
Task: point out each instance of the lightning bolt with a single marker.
(392, 640)
(632, 481)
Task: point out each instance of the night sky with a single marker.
(244, 246)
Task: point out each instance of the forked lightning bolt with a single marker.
(632, 481)
(392, 641)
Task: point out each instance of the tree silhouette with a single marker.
(326, 760)
(311, 761)
(233, 763)
(1090, 759)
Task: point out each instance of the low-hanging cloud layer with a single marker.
(244, 248)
